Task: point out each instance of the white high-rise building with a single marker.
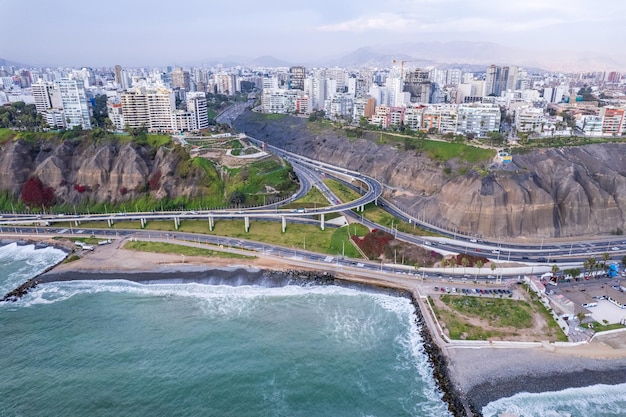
(197, 106)
(74, 103)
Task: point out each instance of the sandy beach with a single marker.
(480, 375)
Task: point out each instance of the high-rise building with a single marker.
(197, 106)
(418, 84)
(74, 101)
(500, 79)
(296, 78)
(42, 92)
(151, 108)
(181, 79)
(117, 74)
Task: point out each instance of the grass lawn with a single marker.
(378, 215)
(160, 247)
(498, 312)
(477, 318)
(598, 327)
(444, 151)
(341, 243)
(296, 235)
(343, 192)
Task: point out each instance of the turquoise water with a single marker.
(117, 348)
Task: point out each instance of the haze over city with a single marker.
(155, 32)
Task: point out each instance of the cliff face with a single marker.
(545, 193)
(107, 172)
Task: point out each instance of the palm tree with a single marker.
(605, 258)
(465, 263)
(452, 264)
(492, 266)
(444, 264)
(479, 264)
(555, 270)
(590, 264)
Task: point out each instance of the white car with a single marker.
(615, 248)
(473, 240)
(496, 251)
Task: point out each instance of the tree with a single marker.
(555, 269)
(465, 263)
(479, 265)
(35, 194)
(237, 197)
(453, 264)
(605, 259)
(444, 264)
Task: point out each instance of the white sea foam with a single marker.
(19, 263)
(596, 400)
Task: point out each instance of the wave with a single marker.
(595, 400)
(21, 262)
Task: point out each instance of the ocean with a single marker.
(118, 348)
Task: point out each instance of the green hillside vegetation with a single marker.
(245, 186)
(248, 185)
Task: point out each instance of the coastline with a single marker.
(469, 378)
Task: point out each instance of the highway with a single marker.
(309, 172)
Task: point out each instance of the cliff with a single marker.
(545, 193)
(109, 172)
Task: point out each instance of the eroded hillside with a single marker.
(553, 192)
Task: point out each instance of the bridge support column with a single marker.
(322, 221)
(176, 223)
(211, 223)
(376, 201)
(76, 223)
(110, 222)
(284, 224)
(143, 223)
(246, 224)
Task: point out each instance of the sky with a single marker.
(190, 32)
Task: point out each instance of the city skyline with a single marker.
(153, 33)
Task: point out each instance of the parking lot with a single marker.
(605, 310)
(493, 292)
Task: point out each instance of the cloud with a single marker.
(385, 21)
(395, 23)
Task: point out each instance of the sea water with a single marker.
(118, 348)
(595, 400)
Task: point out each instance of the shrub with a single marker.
(155, 180)
(35, 194)
(373, 243)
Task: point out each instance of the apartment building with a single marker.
(278, 100)
(529, 119)
(151, 108)
(612, 121)
(478, 118)
(74, 102)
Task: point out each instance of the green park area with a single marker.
(490, 318)
(161, 247)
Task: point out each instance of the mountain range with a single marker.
(469, 56)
